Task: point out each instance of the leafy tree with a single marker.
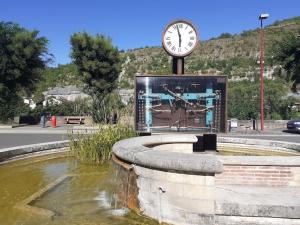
(287, 53)
(112, 104)
(244, 100)
(98, 63)
(275, 94)
(22, 58)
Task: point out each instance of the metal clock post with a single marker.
(178, 65)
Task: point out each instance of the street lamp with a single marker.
(261, 18)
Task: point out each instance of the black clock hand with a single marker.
(179, 35)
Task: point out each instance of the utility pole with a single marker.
(261, 59)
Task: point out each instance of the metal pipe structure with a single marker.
(261, 18)
(148, 105)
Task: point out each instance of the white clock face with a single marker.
(180, 38)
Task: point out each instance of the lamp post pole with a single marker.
(261, 18)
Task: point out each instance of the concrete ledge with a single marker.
(258, 142)
(259, 201)
(7, 153)
(173, 161)
(238, 220)
(6, 126)
(134, 151)
(25, 204)
(138, 151)
(260, 160)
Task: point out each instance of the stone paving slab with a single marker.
(243, 220)
(276, 202)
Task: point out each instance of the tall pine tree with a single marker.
(98, 63)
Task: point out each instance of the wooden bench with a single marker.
(74, 119)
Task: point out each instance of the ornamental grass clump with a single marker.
(97, 147)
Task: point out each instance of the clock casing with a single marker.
(180, 38)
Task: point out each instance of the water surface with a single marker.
(85, 198)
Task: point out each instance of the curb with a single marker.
(7, 153)
(260, 142)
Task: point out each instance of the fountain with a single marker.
(172, 183)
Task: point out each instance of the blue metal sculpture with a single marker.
(153, 101)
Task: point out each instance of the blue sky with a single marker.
(133, 24)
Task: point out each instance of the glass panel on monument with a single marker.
(180, 103)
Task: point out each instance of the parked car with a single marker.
(294, 125)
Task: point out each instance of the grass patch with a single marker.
(97, 147)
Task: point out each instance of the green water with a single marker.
(85, 198)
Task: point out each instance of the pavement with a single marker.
(25, 135)
(8, 140)
(295, 138)
(34, 129)
(258, 201)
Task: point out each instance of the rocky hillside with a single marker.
(234, 55)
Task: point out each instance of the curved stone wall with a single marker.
(171, 186)
(135, 151)
(165, 180)
(9, 153)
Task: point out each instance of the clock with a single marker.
(180, 38)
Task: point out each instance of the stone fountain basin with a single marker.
(165, 180)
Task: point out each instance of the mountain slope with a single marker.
(232, 55)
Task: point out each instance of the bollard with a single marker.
(206, 143)
(43, 121)
(198, 146)
(210, 143)
(53, 121)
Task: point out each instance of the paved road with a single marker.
(17, 137)
(12, 140)
(290, 138)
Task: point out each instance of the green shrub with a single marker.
(225, 35)
(79, 107)
(12, 106)
(97, 147)
(275, 116)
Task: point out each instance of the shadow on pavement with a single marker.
(291, 131)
